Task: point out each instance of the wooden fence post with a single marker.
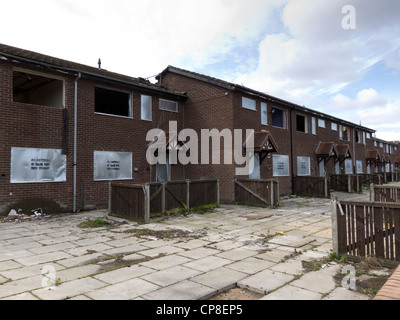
(188, 194)
(349, 184)
(326, 187)
(109, 197)
(372, 192)
(335, 233)
(272, 193)
(218, 195)
(146, 203)
(163, 198)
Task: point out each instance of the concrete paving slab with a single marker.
(199, 253)
(220, 279)
(237, 254)
(43, 258)
(123, 274)
(291, 241)
(170, 276)
(265, 281)
(251, 265)
(318, 281)
(69, 289)
(184, 290)
(208, 263)
(161, 250)
(126, 290)
(344, 294)
(165, 262)
(292, 267)
(292, 293)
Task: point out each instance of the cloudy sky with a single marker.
(312, 52)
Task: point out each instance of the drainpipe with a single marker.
(74, 209)
(291, 150)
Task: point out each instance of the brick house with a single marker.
(68, 129)
(308, 142)
(42, 162)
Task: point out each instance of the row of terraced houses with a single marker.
(67, 129)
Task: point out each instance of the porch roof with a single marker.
(263, 142)
(343, 151)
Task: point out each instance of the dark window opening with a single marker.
(278, 118)
(301, 123)
(112, 102)
(37, 89)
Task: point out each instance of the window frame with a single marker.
(142, 106)
(284, 118)
(321, 123)
(264, 107)
(305, 123)
(162, 109)
(115, 90)
(249, 100)
(44, 75)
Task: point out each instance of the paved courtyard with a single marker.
(184, 257)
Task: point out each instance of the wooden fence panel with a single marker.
(367, 229)
(203, 192)
(312, 186)
(257, 192)
(128, 201)
(386, 193)
(136, 202)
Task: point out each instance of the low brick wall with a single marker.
(391, 289)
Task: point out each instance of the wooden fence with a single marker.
(137, 202)
(312, 186)
(366, 229)
(257, 192)
(385, 193)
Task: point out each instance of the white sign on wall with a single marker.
(303, 166)
(348, 163)
(112, 165)
(29, 165)
(280, 166)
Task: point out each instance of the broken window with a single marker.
(278, 118)
(113, 102)
(344, 133)
(302, 125)
(168, 105)
(38, 89)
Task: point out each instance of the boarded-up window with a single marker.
(168, 105)
(37, 165)
(348, 166)
(303, 166)
(280, 166)
(112, 165)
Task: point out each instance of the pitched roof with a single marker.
(326, 149)
(240, 88)
(343, 151)
(45, 61)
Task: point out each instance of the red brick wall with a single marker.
(33, 126)
(208, 107)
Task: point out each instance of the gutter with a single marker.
(75, 141)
